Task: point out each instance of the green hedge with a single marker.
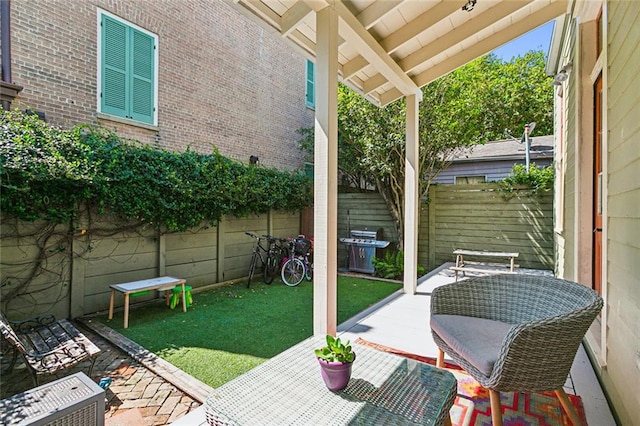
(47, 173)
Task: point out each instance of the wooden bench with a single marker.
(46, 345)
(461, 264)
(160, 284)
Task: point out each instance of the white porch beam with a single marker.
(264, 12)
(373, 83)
(351, 29)
(376, 11)
(326, 175)
(420, 24)
(368, 18)
(390, 96)
(488, 44)
(292, 18)
(466, 30)
(353, 66)
(411, 200)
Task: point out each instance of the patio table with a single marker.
(288, 390)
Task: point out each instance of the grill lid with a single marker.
(361, 233)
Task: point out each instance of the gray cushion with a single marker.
(477, 340)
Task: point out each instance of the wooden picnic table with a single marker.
(461, 266)
(160, 284)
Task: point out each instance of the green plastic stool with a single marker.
(177, 293)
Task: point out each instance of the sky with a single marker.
(537, 39)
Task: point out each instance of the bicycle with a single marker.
(295, 268)
(269, 260)
(307, 259)
(274, 261)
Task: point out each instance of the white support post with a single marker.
(326, 175)
(411, 201)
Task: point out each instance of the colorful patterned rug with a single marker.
(472, 406)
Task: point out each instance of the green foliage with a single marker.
(336, 351)
(539, 179)
(471, 105)
(392, 266)
(47, 173)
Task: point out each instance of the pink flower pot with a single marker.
(336, 375)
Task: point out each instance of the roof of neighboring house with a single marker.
(508, 149)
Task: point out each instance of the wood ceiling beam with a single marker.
(292, 18)
(421, 24)
(417, 26)
(466, 30)
(363, 42)
(539, 17)
(368, 18)
(390, 96)
(534, 20)
(373, 83)
(264, 12)
(353, 66)
(376, 11)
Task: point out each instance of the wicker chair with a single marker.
(514, 333)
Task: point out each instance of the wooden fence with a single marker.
(473, 217)
(477, 217)
(75, 269)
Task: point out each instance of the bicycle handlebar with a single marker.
(269, 238)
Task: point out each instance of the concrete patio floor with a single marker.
(401, 322)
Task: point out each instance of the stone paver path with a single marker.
(135, 392)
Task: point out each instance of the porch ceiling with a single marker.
(391, 48)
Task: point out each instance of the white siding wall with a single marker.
(566, 238)
(623, 252)
(492, 170)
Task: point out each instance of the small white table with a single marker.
(160, 284)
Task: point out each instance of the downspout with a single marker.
(8, 90)
(5, 39)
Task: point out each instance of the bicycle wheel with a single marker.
(308, 271)
(252, 267)
(271, 268)
(293, 272)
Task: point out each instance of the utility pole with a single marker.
(526, 146)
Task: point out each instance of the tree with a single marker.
(471, 105)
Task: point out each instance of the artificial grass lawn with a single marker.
(230, 330)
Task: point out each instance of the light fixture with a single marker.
(469, 6)
(563, 74)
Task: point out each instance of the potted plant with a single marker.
(335, 361)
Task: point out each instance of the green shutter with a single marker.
(142, 73)
(310, 94)
(114, 67)
(128, 71)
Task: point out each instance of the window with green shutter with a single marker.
(127, 70)
(310, 92)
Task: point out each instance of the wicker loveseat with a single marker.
(514, 333)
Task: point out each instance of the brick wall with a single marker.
(225, 81)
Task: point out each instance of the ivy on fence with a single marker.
(48, 172)
(51, 176)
